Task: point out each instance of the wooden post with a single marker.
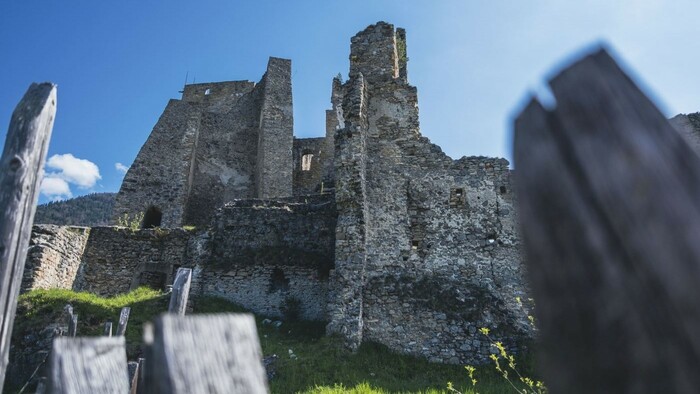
(181, 291)
(123, 320)
(137, 384)
(609, 204)
(73, 325)
(207, 354)
(108, 329)
(21, 169)
(89, 365)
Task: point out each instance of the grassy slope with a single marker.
(320, 364)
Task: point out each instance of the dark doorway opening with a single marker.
(152, 218)
(153, 279)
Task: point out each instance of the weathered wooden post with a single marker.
(89, 365)
(206, 354)
(609, 199)
(21, 169)
(123, 320)
(73, 325)
(181, 291)
(137, 381)
(108, 329)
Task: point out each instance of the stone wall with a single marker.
(307, 175)
(267, 254)
(426, 246)
(54, 256)
(117, 260)
(689, 127)
(274, 165)
(225, 159)
(222, 141)
(159, 177)
(271, 256)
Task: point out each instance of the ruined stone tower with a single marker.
(221, 141)
(425, 244)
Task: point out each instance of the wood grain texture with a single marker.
(123, 320)
(207, 354)
(181, 291)
(21, 171)
(89, 365)
(609, 202)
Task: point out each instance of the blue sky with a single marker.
(474, 63)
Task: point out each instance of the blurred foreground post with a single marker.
(20, 177)
(206, 354)
(181, 291)
(609, 197)
(89, 365)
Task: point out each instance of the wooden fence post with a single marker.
(609, 205)
(21, 168)
(73, 325)
(207, 354)
(108, 329)
(181, 291)
(123, 320)
(89, 365)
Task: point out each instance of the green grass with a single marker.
(320, 365)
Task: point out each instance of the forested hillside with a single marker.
(90, 210)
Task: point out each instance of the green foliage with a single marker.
(90, 210)
(132, 222)
(317, 364)
(38, 308)
(401, 50)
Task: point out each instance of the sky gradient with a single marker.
(474, 63)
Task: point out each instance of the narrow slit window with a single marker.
(306, 162)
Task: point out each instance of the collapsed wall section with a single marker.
(273, 256)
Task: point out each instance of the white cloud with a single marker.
(55, 188)
(121, 168)
(80, 172)
(63, 171)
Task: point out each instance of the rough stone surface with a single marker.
(54, 257)
(222, 141)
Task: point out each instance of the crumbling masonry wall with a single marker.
(426, 246)
(271, 256)
(54, 256)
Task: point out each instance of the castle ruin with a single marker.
(371, 228)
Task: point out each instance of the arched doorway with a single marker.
(152, 217)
